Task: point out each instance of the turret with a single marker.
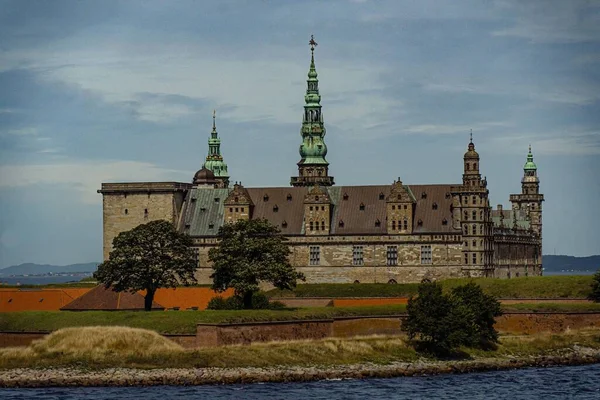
(313, 168)
(214, 159)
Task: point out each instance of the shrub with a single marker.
(260, 301)
(595, 294)
(442, 322)
(484, 308)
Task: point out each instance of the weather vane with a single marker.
(312, 42)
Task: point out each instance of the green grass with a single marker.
(575, 286)
(174, 322)
(552, 307)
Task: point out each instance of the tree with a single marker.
(149, 257)
(438, 321)
(442, 322)
(250, 252)
(595, 293)
(484, 307)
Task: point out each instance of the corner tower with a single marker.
(214, 159)
(312, 167)
(530, 199)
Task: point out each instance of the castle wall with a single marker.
(337, 263)
(127, 205)
(516, 255)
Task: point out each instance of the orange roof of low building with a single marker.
(101, 298)
(12, 300)
(186, 297)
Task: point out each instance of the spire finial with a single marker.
(471, 136)
(214, 117)
(312, 43)
(530, 147)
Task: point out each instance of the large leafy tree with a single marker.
(149, 257)
(442, 322)
(595, 293)
(250, 252)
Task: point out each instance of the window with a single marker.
(242, 209)
(474, 229)
(126, 211)
(466, 216)
(317, 225)
(474, 243)
(405, 224)
(230, 209)
(289, 197)
(468, 166)
(266, 197)
(444, 221)
(217, 199)
(345, 196)
(474, 215)
(357, 255)
(474, 166)
(275, 208)
(311, 225)
(474, 200)
(405, 206)
(466, 259)
(474, 258)
(481, 229)
(314, 255)
(377, 223)
(393, 207)
(393, 225)
(434, 206)
(341, 224)
(322, 225)
(392, 255)
(361, 207)
(381, 196)
(322, 208)
(236, 209)
(426, 254)
(284, 224)
(211, 225)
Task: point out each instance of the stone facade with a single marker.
(127, 205)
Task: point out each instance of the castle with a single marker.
(343, 234)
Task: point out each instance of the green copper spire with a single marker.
(530, 165)
(214, 159)
(313, 167)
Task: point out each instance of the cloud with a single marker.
(85, 177)
(567, 142)
(553, 21)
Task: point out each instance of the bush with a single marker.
(260, 301)
(595, 294)
(484, 308)
(442, 322)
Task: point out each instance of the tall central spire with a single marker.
(313, 168)
(214, 159)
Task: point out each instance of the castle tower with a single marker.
(312, 167)
(317, 211)
(471, 209)
(530, 198)
(214, 159)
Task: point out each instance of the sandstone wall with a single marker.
(125, 206)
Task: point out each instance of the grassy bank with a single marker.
(576, 286)
(184, 322)
(94, 348)
(174, 322)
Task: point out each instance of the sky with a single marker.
(118, 91)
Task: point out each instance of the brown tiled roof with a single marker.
(277, 208)
(37, 299)
(100, 298)
(291, 211)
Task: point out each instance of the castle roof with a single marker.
(284, 207)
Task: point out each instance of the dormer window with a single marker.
(377, 223)
(361, 207)
(266, 197)
(423, 195)
(211, 225)
(447, 195)
(341, 224)
(381, 196)
(420, 222)
(444, 221)
(218, 199)
(434, 206)
(284, 224)
(289, 197)
(275, 208)
(345, 197)
(187, 226)
(193, 199)
(316, 198)
(203, 209)
(236, 199)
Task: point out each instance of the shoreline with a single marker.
(75, 377)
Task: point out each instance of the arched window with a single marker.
(466, 215)
(474, 166)
(468, 167)
(474, 215)
(322, 225)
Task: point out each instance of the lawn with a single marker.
(542, 287)
(174, 322)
